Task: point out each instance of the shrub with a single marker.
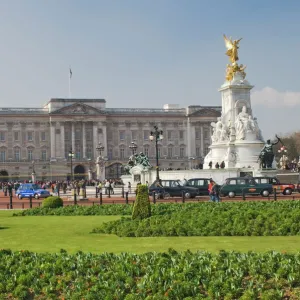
(208, 219)
(141, 208)
(53, 202)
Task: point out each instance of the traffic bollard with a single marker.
(126, 197)
(275, 194)
(100, 195)
(123, 192)
(10, 201)
(154, 197)
(30, 201)
(108, 193)
(75, 197)
(183, 198)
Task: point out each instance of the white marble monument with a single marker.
(236, 138)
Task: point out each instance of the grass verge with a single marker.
(72, 233)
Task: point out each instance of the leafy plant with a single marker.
(141, 207)
(52, 202)
(171, 275)
(209, 219)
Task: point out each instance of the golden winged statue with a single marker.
(232, 47)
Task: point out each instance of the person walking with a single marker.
(112, 186)
(216, 192)
(210, 193)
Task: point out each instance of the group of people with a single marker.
(213, 191)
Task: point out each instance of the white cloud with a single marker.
(271, 98)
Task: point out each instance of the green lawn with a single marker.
(52, 233)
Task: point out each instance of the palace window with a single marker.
(30, 154)
(43, 136)
(198, 134)
(77, 135)
(170, 151)
(110, 153)
(206, 149)
(181, 152)
(122, 153)
(89, 152)
(146, 151)
(78, 153)
(2, 155)
(146, 135)
(198, 152)
(134, 135)
(16, 136)
(169, 135)
(159, 152)
(17, 154)
(67, 135)
(206, 134)
(89, 135)
(44, 155)
(181, 135)
(2, 136)
(30, 136)
(122, 135)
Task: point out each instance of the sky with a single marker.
(139, 53)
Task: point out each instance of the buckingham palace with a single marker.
(40, 140)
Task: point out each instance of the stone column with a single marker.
(83, 141)
(73, 137)
(62, 141)
(188, 131)
(201, 141)
(52, 139)
(95, 138)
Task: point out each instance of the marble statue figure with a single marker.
(242, 124)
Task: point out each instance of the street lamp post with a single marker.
(156, 135)
(100, 160)
(71, 155)
(33, 179)
(133, 147)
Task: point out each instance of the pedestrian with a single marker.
(107, 186)
(100, 187)
(216, 192)
(112, 186)
(210, 193)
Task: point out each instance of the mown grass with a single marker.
(72, 233)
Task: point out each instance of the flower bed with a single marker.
(172, 275)
(225, 219)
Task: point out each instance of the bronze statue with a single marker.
(266, 155)
(232, 48)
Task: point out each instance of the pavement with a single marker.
(117, 198)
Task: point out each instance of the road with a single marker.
(118, 199)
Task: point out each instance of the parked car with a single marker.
(200, 183)
(247, 185)
(173, 188)
(284, 188)
(31, 189)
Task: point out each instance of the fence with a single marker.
(94, 196)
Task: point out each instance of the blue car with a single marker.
(31, 189)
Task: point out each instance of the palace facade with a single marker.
(40, 139)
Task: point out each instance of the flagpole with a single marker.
(70, 76)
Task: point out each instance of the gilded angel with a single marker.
(232, 47)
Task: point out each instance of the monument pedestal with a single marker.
(236, 138)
